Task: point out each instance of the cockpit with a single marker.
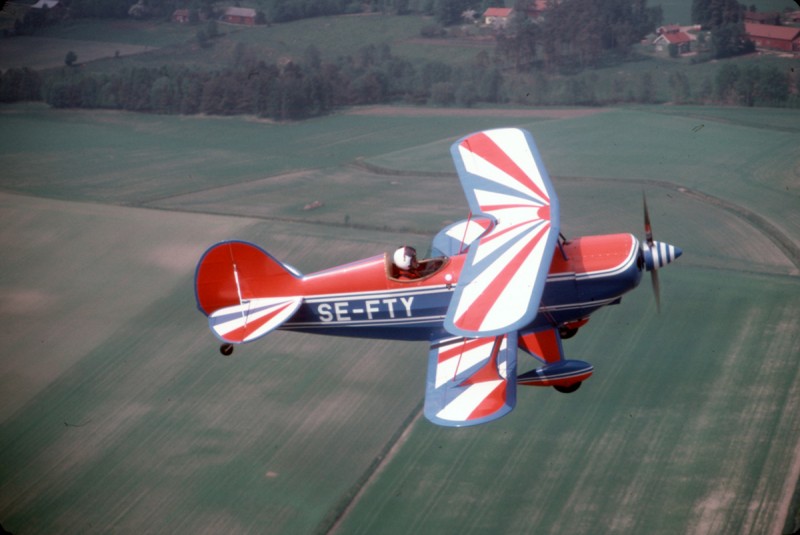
(403, 266)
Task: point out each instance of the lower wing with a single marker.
(471, 380)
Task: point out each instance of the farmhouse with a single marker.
(240, 15)
(680, 39)
(783, 38)
(181, 16)
(497, 16)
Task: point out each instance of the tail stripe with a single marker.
(252, 319)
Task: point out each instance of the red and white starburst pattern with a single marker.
(471, 381)
(503, 278)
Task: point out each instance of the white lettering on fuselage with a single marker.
(342, 311)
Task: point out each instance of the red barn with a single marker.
(784, 38)
(240, 15)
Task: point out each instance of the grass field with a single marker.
(117, 413)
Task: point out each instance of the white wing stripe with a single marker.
(465, 404)
(481, 167)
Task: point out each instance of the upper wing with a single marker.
(471, 381)
(503, 278)
(253, 318)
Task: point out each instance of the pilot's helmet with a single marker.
(404, 257)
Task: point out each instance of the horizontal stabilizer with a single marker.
(253, 318)
(471, 381)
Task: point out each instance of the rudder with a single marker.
(232, 272)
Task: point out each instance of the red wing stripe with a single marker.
(491, 403)
(488, 298)
(483, 146)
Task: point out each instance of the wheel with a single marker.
(568, 389)
(567, 332)
(226, 349)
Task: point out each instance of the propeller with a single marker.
(656, 254)
(648, 234)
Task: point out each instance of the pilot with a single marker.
(405, 260)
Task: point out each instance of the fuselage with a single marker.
(361, 299)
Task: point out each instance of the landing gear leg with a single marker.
(226, 349)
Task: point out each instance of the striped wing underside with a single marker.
(503, 278)
(471, 381)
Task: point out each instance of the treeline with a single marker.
(313, 87)
(294, 91)
(275, 10)
(753, 85)
(285, 91)
(748, 85)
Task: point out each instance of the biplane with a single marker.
(503, 280)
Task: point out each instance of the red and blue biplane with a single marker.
(502, 280)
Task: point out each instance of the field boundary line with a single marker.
(361, 163)
(217, 186)
(333, 520)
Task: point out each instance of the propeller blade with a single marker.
(656, 289)
(648, 231)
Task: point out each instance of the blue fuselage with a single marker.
(571, 293)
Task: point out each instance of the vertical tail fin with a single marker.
(245, 291)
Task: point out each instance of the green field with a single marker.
(117, 413)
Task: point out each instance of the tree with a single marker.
(202, 39)
(18, 84)
(773, 86)
(70, 58)
(725, 83)
(679, 87)
(581, 32)
(448, 12)
(746, 85)
(443, 93)
(647, 88)
(714, 13)
(729, 40)
(517, 44)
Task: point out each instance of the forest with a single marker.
(544, 62)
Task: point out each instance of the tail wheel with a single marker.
(568, 389)
(226, 349)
